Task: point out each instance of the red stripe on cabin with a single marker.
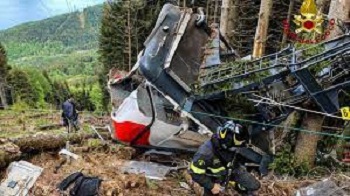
(127, 131)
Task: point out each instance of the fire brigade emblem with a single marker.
(309, 20)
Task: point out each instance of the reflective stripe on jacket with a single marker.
(206, 168)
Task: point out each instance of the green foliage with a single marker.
(19, 80)
(57, 35)
(4, 67)
(52, 56)
(20, 106)
(96, 97)
(63, 45)
(41, 87)
(114, 43)
(94, 143)
(63, 66)
(152, 184)
(38, 90)
(238, 105)
(285, 163)
(312, 51)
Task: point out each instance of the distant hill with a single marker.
(67, 41)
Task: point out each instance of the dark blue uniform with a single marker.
(69, 114)
(207, 169)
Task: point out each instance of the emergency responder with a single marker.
(70, 115)
(217, 162)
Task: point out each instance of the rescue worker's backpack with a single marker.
(83, 186)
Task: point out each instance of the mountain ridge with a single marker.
(60, 37)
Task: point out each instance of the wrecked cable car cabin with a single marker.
(176, 94)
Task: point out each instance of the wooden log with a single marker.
(8, 152)
(48, 141)
(50, 127)
(12, 149)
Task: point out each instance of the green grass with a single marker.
(12, 123)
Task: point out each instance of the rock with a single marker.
(134, 185)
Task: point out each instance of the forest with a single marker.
(55, 57)
(173, 75)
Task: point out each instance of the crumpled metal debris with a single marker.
(68, 153)
(324, 188)
(20, 178)
(151, 170)
(185, 185)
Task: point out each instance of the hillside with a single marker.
(67, 41)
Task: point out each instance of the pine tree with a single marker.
(3, 62)
(22, 89)
(262, 28)
(125, 26)
(4, 69)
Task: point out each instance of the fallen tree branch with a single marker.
(13, 149)
(50, 127)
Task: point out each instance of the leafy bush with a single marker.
(285, 164)
(20, 106)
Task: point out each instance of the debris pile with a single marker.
(102, 162)
(106, 163)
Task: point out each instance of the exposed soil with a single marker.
(103, 162)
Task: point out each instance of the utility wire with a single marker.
(273, 125)
(273, 102)
(241, 120)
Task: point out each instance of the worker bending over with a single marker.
(217, 163)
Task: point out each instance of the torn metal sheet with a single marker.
(212, 57)
(185, 185)
(151, 170)
(323, 188)
(68, 153)
(20, 179)
(98, 134)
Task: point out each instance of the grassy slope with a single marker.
(64, 45)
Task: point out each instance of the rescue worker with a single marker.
(70, 115)
(216, 164)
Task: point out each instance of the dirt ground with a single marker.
(103, 163)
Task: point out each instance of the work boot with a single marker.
(251, 193)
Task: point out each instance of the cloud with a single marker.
(14, 12)
(63, 6)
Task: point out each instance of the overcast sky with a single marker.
(14, 12)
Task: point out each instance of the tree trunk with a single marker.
(3, 96)
(129, 35)
(262, 29)
(224, 19)
(339, 9)
(305, 149)
(290, 10)
(322, 5)
(216, 11)
(232, 18)
(12, 149)
(281, 134)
